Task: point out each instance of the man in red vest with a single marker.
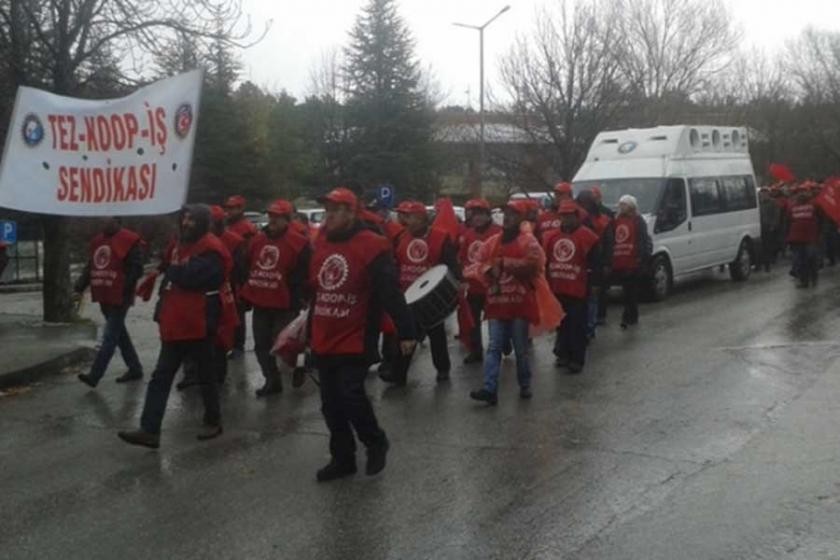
(572, 253)
(242, 226)
(278, 264)
(804, 219)
(550, 219)
(480, 228)
(188, 313)
(420, 248)
(237, 247)
(115, 264)
(353, 280)
(511, 299)
(631, 253)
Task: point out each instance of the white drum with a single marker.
(433, 297)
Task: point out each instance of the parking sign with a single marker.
(386, 195)
(8, 232)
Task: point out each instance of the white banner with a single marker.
(115, 157)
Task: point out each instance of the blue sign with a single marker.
(8, 232)
(386, 195)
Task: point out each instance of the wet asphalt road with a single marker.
(708, 432)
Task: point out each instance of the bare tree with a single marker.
(670, 49)
(59, 45)
(813, 60)
(565, 81)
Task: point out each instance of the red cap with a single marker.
(412, 207)
(520, 205)
(476, 204)
(563, 188)
(217, 213)
(341, 195)
(235, 201)
(280, 207)
(567, 207)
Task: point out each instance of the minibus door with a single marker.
(671, 228)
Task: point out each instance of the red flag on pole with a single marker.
(445, 218)
(829, 199)
(782, 173)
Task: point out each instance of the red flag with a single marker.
(782, 173)
(445, 218)
(147, 286)
(829, 199)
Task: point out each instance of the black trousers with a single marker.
(603, 297)
(172, 355)
(476, 302)
(572, 339)
(241, 330)
(267, 324)
(218, 365)
(631, 282)
(346, 407)
(440, 353)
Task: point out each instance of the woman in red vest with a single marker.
(804, 228)
(188, 314)
(511, 299)
(420, 248)
(353, 280)
(631, 253)
(113, 269)
(572, 252)
(278, 263)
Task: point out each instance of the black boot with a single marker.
(393, 378)
(187, 381)
(376, 458)
(273, 385)
(335, 470)
(87, 380)
(209, 432)
(485, 396)
(473, 358)
(141, 438)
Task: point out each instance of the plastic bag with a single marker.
(292, 340)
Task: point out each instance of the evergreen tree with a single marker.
(389, 118)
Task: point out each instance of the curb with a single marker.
(49, 368)
(19, 288)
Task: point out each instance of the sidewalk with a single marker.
(32, 349)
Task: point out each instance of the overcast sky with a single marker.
(303, 30)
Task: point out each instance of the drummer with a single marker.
(420, 248)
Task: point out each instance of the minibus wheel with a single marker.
(661, 278)
(741, 267)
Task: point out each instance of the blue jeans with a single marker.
(501, 333)
(115, 335)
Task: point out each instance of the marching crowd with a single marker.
(541, 269)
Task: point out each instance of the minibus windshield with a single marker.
(646, 191)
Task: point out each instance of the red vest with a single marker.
(470, 252)
(271, 262)
(601, 223)
(183, 313)
(107, 270)
(626, 250)
(243, 228)
(342, 287)
(512, 297)
(416, 255)
(804, 227)
(231, 240)
(567, 260)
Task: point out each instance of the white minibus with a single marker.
(696, 189)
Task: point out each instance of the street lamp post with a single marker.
(480, 29)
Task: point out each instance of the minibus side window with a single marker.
(705, 197)
(673, 207)
(739, 192)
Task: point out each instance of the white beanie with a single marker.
(629, 200)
